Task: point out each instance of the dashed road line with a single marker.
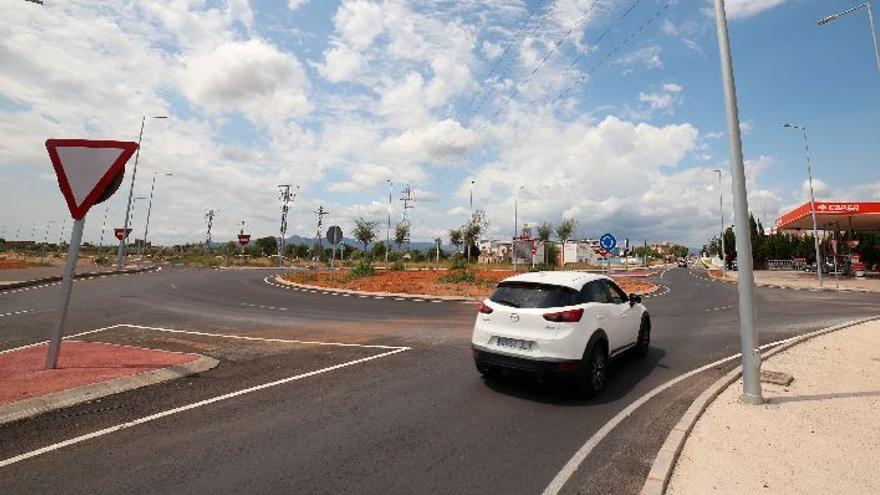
(16, 313)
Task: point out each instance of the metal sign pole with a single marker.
(64, 299)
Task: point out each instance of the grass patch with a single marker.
(459, 277)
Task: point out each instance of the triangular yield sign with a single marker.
(85, 168)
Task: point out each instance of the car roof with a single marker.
(571, 279)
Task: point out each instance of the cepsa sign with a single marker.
(839, 207)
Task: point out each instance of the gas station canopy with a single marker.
(858, 216)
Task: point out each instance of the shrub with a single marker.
(458, 277)
(397, 266)
(459, 263)
(362, 269)
(542, 267)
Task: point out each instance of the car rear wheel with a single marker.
(595, 368)
(643, 344)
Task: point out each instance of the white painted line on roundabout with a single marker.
(558, 483)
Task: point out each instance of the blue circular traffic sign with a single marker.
(608, 242)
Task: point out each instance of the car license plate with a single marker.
(518, 344)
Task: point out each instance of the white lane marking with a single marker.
(188, 407)
(262, 339)
(88, 332)
(575, 462)
(15, 313)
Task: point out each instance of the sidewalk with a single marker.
(820, 434)
(805, 280)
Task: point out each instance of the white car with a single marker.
(567, 323)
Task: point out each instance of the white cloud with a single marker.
(359, 22)
(438, 141)
(341, 63)
(253, 77)
(647, 58)
(672, 88)
(741, 9)
(295, 4)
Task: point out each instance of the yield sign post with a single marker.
(88, 172)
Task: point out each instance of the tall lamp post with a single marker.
(149, 210)
(471, 217)
(388, 230)
(748, 331)
(867, 6)
(515, 223)
(819, 263)
(721, 209)
(120, 255)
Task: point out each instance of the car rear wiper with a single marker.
(506, 303)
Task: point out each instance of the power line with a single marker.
(209, 216)
(286, 198)
(319, 245)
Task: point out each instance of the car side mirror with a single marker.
(635, 299)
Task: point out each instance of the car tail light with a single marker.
(485, 309)
(569, 316)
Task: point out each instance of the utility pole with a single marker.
(516, 225)
(319, 246)
(471, 218)
(286, 199)
(751, 356)
(149, 211)
(103, 227)
(408, 201)
(209, 216)
(120, 255)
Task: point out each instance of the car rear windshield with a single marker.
(530, 295)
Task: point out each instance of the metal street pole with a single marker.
(866, 6)
(751, 357)
(64, 297)
(469, 220)
(515, 224)
(120, 255)
(149, 210)
(819, 260)
(388, 230)
(721, 209)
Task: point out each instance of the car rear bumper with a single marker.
(544, 367)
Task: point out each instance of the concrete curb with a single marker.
(417, 297)
(664, 463)
(423, 297)
(87, 275)
(66, 398)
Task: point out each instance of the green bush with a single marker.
(458, 277)
(397, 266)
(459, 263)
(363, 269)
(542, 267)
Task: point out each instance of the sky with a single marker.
(607, 111)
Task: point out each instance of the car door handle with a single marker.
(600, 317)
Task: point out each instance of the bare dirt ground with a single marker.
(434, 283)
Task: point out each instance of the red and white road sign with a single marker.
(534, 251)
(86, 168)
(121, 233)
(244, 239)
(602, 252)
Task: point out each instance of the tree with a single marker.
(472, 230)
(565, 230)
(266, 246)
(545, 230)
(456, 238)
(365, 231)
(378, 249)
(680, 251)
(401, 234)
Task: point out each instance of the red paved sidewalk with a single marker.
(80, 363)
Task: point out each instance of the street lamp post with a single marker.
(149, 210)
(812, 201)
(388, 229)
(469, 219)
(721, 209)
(751, 356)
(515, 223)
(120, 255)
(867, 6)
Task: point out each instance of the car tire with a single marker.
(643, 344)
(594, 369)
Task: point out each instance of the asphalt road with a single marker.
(389, 402)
